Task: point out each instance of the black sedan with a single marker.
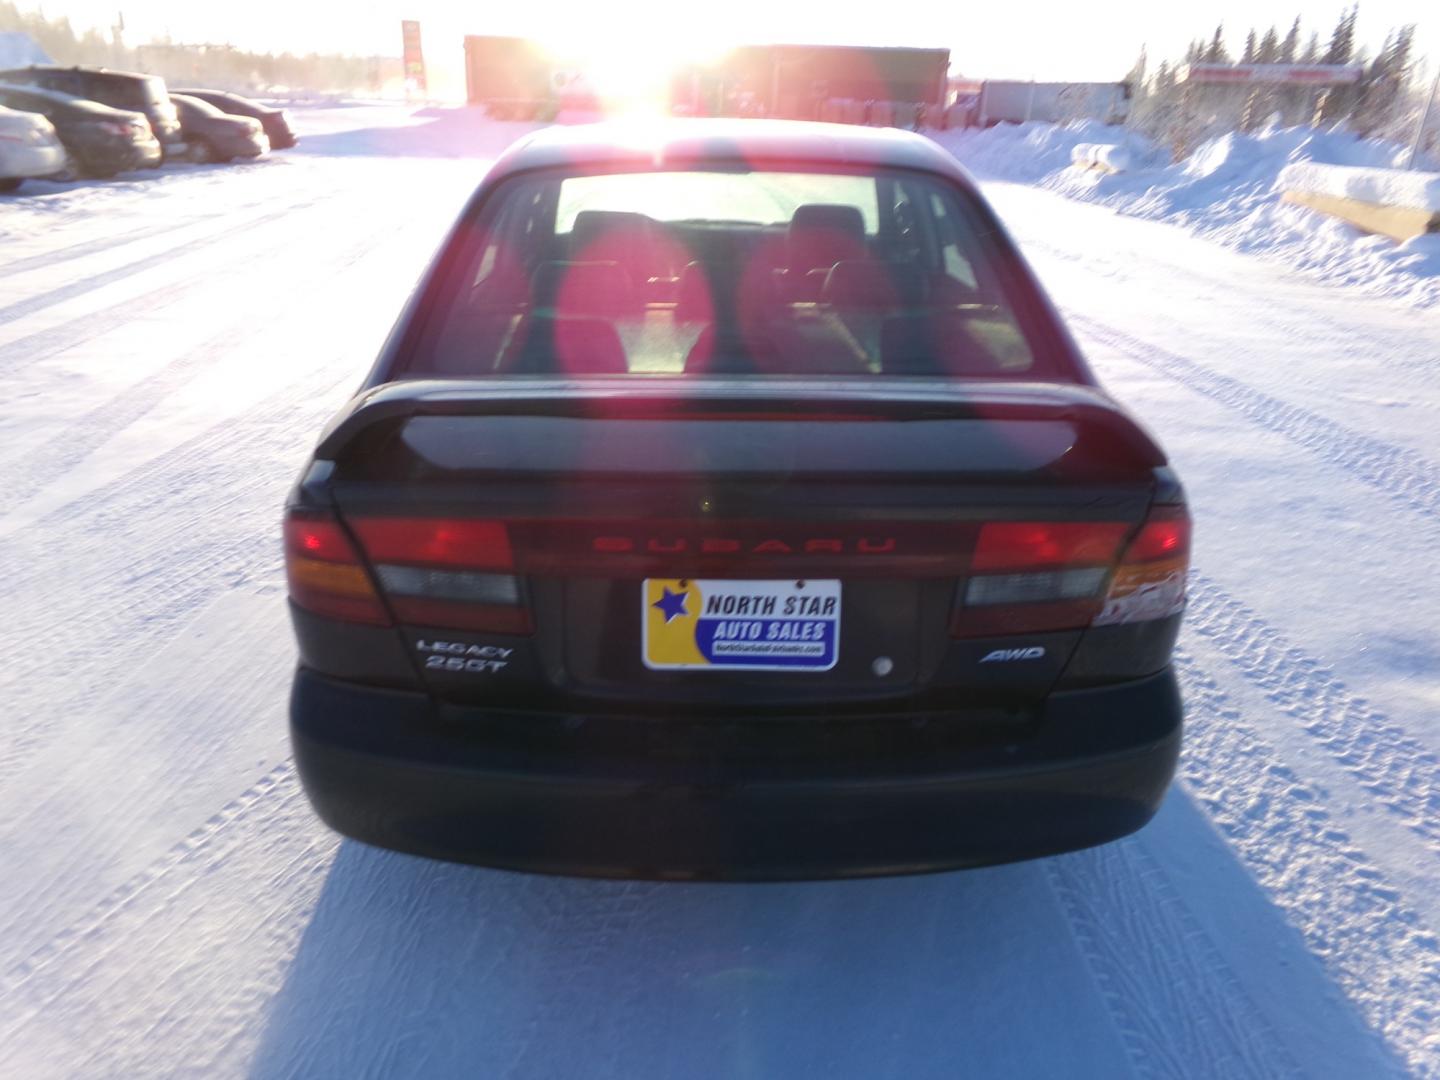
(274, 121)
(217, 136)
(101, 141)
(780, 531)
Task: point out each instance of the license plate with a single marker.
(698, 624)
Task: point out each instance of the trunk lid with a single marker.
(725, 544)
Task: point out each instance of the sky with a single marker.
(1071, 41)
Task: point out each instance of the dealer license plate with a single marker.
(698, 624)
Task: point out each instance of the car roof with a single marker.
(71, 100)
(195, 103)
(229, 96)
(766, 144)
(103, 72)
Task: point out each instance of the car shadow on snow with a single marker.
(414, 968)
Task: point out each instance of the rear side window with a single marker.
(123, 91)
(713, 273)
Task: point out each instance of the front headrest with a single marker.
(822, 234)
(837, 217)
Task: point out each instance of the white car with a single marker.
(29, 148)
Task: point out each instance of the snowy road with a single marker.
(169, 906)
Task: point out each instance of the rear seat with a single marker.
(560, 345)
(586, 290)
(938, 343)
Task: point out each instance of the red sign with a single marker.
(1275, 74)
(414, 58)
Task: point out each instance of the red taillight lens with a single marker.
(1165, 535)
(1033, 576)
(1150, 581)
(325, 573)
(1020, 545)
(446, 572)
(474, 545)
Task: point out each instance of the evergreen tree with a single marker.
(1215, 53)
(1381, 89)
(1291, 43)
(1248, 57)
(1269, 50)
(1311, 55)
(1342, 41)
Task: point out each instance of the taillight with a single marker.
(456, 573)
(325, 572)
(1033, 576)
(1150, 581)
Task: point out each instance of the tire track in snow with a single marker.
(160, 540)
(1400, 351)
(1179, 1008)
(69, 252)
(29, 306)
(1397, 770)
(42, 259)
(279, 782)
(1350, 915)
(54, 458)
(1408, 477)
(147, 553)
(257, 865)
(33, 348)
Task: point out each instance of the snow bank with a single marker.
(1134, 153)
(1385, 187)
(1225, 191)
(1107, 156)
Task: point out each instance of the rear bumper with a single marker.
(32, 162)
(390, 768)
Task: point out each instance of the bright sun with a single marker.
(630, 69)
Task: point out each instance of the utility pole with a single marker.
(1424, 121)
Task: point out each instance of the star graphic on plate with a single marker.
(672, 604)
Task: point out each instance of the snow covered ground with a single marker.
(171, 345)
(1225, 191)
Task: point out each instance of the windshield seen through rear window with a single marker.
(724, 273)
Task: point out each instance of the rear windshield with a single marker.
(193, 107)
(725, 273)
(131, 92)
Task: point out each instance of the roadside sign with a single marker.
(1275, 74)
(413, 57)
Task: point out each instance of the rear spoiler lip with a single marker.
(912, 398)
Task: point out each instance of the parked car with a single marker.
(29, 148)
(274, 121)
(100, 141)
(216, 136)
(733, 503)
(119, 89)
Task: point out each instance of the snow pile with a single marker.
(1225, 191)
(1385, 187)
(1134, 153)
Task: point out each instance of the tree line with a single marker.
(218, 65)
(1380, 104)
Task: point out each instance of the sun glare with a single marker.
(631, 72)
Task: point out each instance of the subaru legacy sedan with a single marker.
(730, 502)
